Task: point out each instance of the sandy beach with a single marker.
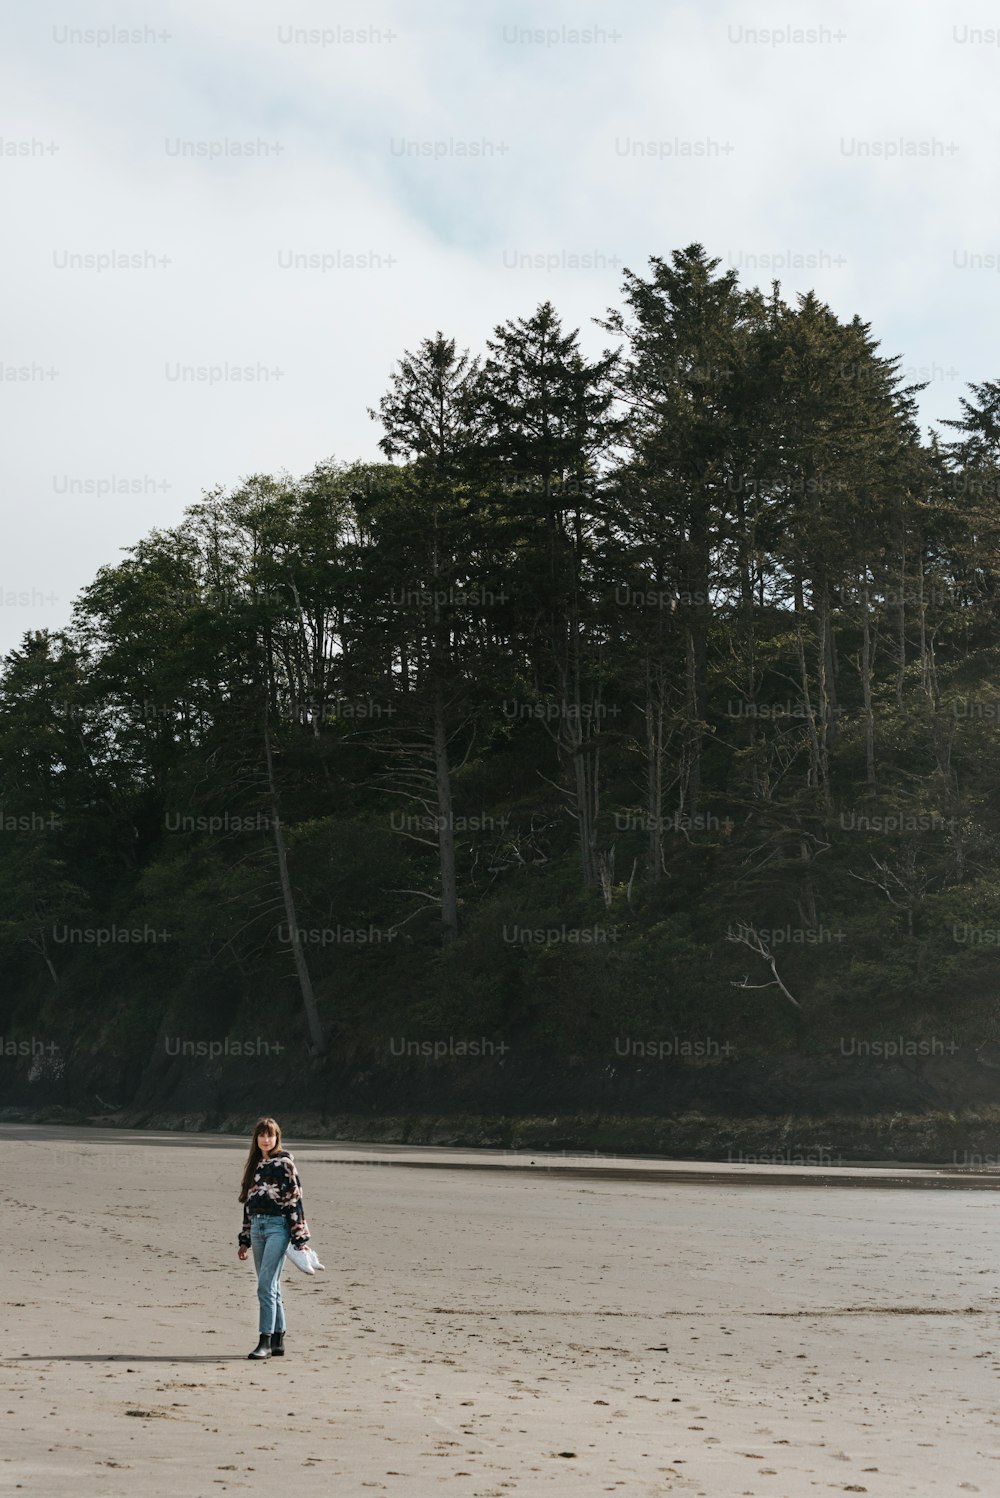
(604, 1326)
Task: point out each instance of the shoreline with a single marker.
(660, 1169)
(967, 1141)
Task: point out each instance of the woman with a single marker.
(273, 1216)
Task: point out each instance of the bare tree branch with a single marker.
(747, 936)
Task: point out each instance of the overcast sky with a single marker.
(302, 190)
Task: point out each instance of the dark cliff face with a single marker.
(96, 1082)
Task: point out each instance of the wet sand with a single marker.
(574, 1326)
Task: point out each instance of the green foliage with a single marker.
(691, 648)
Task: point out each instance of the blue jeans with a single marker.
(269, 1237)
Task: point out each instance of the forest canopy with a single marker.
(653, 695)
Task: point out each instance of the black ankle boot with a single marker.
(263, 1348)
(278, 1344)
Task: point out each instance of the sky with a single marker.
(224, 223)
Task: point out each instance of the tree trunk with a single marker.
(821, 612)
(866, 687)
(690, 781)
(445, 820)
(925, 668)
(747, 544)
(901, 626)
(585, 770)
(807, 900)
(814, 776)
(301, 966)
(654, 771)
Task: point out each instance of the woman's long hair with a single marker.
(265, 1125)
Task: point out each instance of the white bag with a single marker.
(305, 1259)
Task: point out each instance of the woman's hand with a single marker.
(243, 1252)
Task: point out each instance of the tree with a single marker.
(426, 419)
(686, 333)
(545, 428)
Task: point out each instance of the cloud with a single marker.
(311, 189)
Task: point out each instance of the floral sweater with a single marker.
(276, 1191)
